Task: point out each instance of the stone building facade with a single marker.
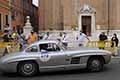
(22, 8)
(4, 13)
(89, 16)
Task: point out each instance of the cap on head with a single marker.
(32, 31)
(115, 34)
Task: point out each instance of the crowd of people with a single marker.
(18, 37)
(12, 35)
(103, 38)
(64, 38)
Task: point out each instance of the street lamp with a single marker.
(108, 17)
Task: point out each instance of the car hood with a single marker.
(17, 57)
(8, 56)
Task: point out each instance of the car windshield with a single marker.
(33, 48)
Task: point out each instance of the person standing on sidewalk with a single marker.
(65, 40)
(102, 39)
(114, 40)
(19, 30)
(7, 28)
(114, 44)
(81, 38)
(47, 36)
(32, 37)
(6, 39)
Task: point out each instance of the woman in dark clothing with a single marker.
(114, 40)
(102, 40)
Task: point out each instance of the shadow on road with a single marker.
(59, 73)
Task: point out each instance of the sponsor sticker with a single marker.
(45, 57)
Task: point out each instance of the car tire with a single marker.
(95, 64)
(27, 68)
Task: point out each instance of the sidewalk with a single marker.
(115, 57)
(1, 51)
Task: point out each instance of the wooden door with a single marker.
(86, 25)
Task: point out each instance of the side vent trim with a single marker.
(75, 60)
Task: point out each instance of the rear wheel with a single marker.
(95, 64)
(27, 68)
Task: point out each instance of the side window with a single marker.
(32, 49)
(49, 47)
(43, 47)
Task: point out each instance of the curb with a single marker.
(115, 57)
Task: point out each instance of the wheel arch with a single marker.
(96, 56)
(20, 62)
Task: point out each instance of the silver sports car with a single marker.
(53, 55)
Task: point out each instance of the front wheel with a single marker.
(27, 68)
(95, 64)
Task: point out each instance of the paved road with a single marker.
(110, 72)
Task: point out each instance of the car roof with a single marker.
(45, 41)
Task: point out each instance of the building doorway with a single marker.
(86, 25)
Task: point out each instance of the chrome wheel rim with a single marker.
(95, 65)
(28, 69)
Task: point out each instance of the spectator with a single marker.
(102, 39)
(32, 37)
(81, 38)
(19, 29)
(7, 28)
(115, 40)
(21, 41)
(14, 35)
(60, 38)
(6, 36)
(46, 36)
(64, 40)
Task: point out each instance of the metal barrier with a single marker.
(14, 46)
(105, 45)
(8, 47)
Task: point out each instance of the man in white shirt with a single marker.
(81, 38)
(47, 36)
(7, 28)
(64, 39)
